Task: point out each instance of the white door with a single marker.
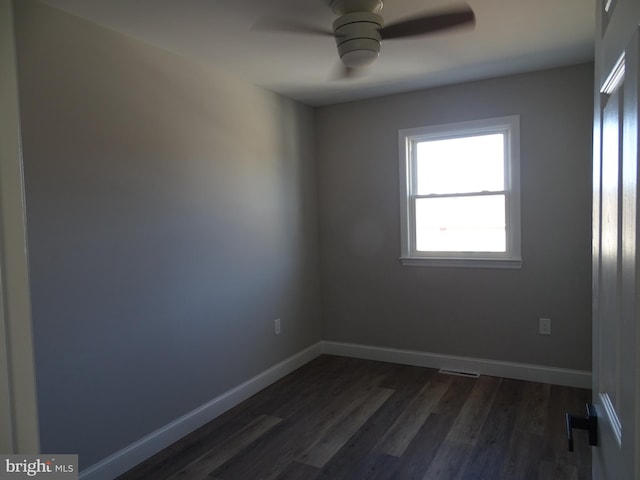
(616, 288)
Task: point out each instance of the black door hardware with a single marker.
(590, 423)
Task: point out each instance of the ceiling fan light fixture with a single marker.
(359, 58)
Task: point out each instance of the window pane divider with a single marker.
(484, 193)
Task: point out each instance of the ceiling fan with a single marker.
(359, 29)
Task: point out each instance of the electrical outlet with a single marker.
(276, 326)
(545, 326)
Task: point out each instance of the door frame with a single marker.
(18, 402)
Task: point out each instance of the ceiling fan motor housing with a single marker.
(341, 7)
(358, 38)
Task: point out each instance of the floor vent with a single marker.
(459, 373)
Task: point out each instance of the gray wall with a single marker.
(369, 298)
(171, 218)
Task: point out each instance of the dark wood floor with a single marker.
(343, 418)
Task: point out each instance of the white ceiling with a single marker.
(510, 36)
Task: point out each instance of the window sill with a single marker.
(509, 263)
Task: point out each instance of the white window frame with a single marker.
(407, 139)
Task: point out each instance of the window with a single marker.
(460, 194)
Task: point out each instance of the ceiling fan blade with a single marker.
(287, 26)
(425, 24)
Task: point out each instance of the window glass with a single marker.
(461, 224)
(459, 165)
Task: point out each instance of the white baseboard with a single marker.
(519, 371)
(137, 452)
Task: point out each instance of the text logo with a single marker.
(50, 467)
